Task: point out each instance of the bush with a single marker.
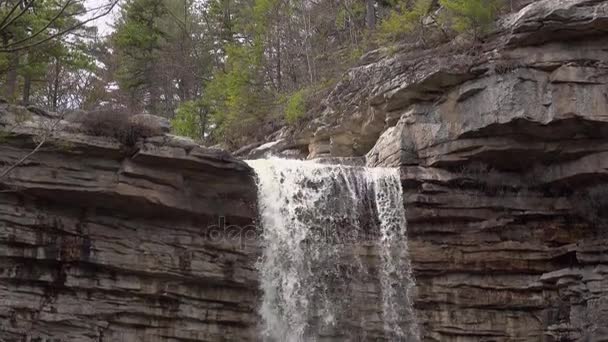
(295, 107)
(507, 66)
(191, 120)
(104, 122)
(144, 126)
(118, 124)
(472, 16)
(490, 180)
(403, 21)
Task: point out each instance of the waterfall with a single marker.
(334, 263)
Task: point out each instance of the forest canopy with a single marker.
(223, 71)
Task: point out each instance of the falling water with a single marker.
(335, 263)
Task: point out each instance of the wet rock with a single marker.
(493, 171)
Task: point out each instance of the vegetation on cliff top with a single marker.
(224, 71)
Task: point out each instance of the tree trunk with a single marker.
(370, 14)
(27, 86)
(202, 114)
(279, 80)
(10, 87)
(154, 106)
(56, 84)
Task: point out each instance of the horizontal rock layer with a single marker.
(503, 159)
(502, 150)
(103, 243)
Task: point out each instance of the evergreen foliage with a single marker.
(36, 66)
(296, 106)
(224, 71)
(404, 20)
(472, 16)
(191, 119)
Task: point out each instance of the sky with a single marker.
(104, 24)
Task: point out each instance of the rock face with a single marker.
(504, 166)
(103, 243)
(503, 149)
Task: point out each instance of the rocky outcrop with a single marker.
(503, 151)
(103, 242)
(503, 158)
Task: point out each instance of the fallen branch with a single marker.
(43, 139)
(12, 167)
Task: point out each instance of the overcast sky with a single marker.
(104, 23)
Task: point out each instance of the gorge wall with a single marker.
(103, 243)
(503, 150)
(504, 161)
(503, 158)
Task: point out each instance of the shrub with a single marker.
(403, 21)
(472, 16)
(191, 120)
(488, 179)
(295, 107)
(143, 126)
(118, 124)
(507, 66)
(105, 122)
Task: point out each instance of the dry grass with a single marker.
(118, 125)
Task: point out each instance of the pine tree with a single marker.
(406, 18)
(138, 40)
(472, 16)
(36, 64)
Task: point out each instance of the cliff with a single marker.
(503, 149)
(503, 158)
(99, 242)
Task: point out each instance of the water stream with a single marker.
(334, 264)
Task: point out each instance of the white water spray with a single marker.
(335, 262)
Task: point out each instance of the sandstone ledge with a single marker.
(99, 242)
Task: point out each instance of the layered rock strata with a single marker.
(504, 164)
(99, 242)
(503, 151)
(502, 148)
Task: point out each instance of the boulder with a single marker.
(153, 123)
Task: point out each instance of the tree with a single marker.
(29, 48)
(137, 40)
(472, 16)
(370, 14)
(405, 19)
(68, 75)
(25, 24)
(229, 71)
(191, 120)
(164, 54)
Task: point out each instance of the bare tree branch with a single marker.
(12, 167)
(23, 11)
(43, 139)
(17, 4)
(42, 29)
(61, 33)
